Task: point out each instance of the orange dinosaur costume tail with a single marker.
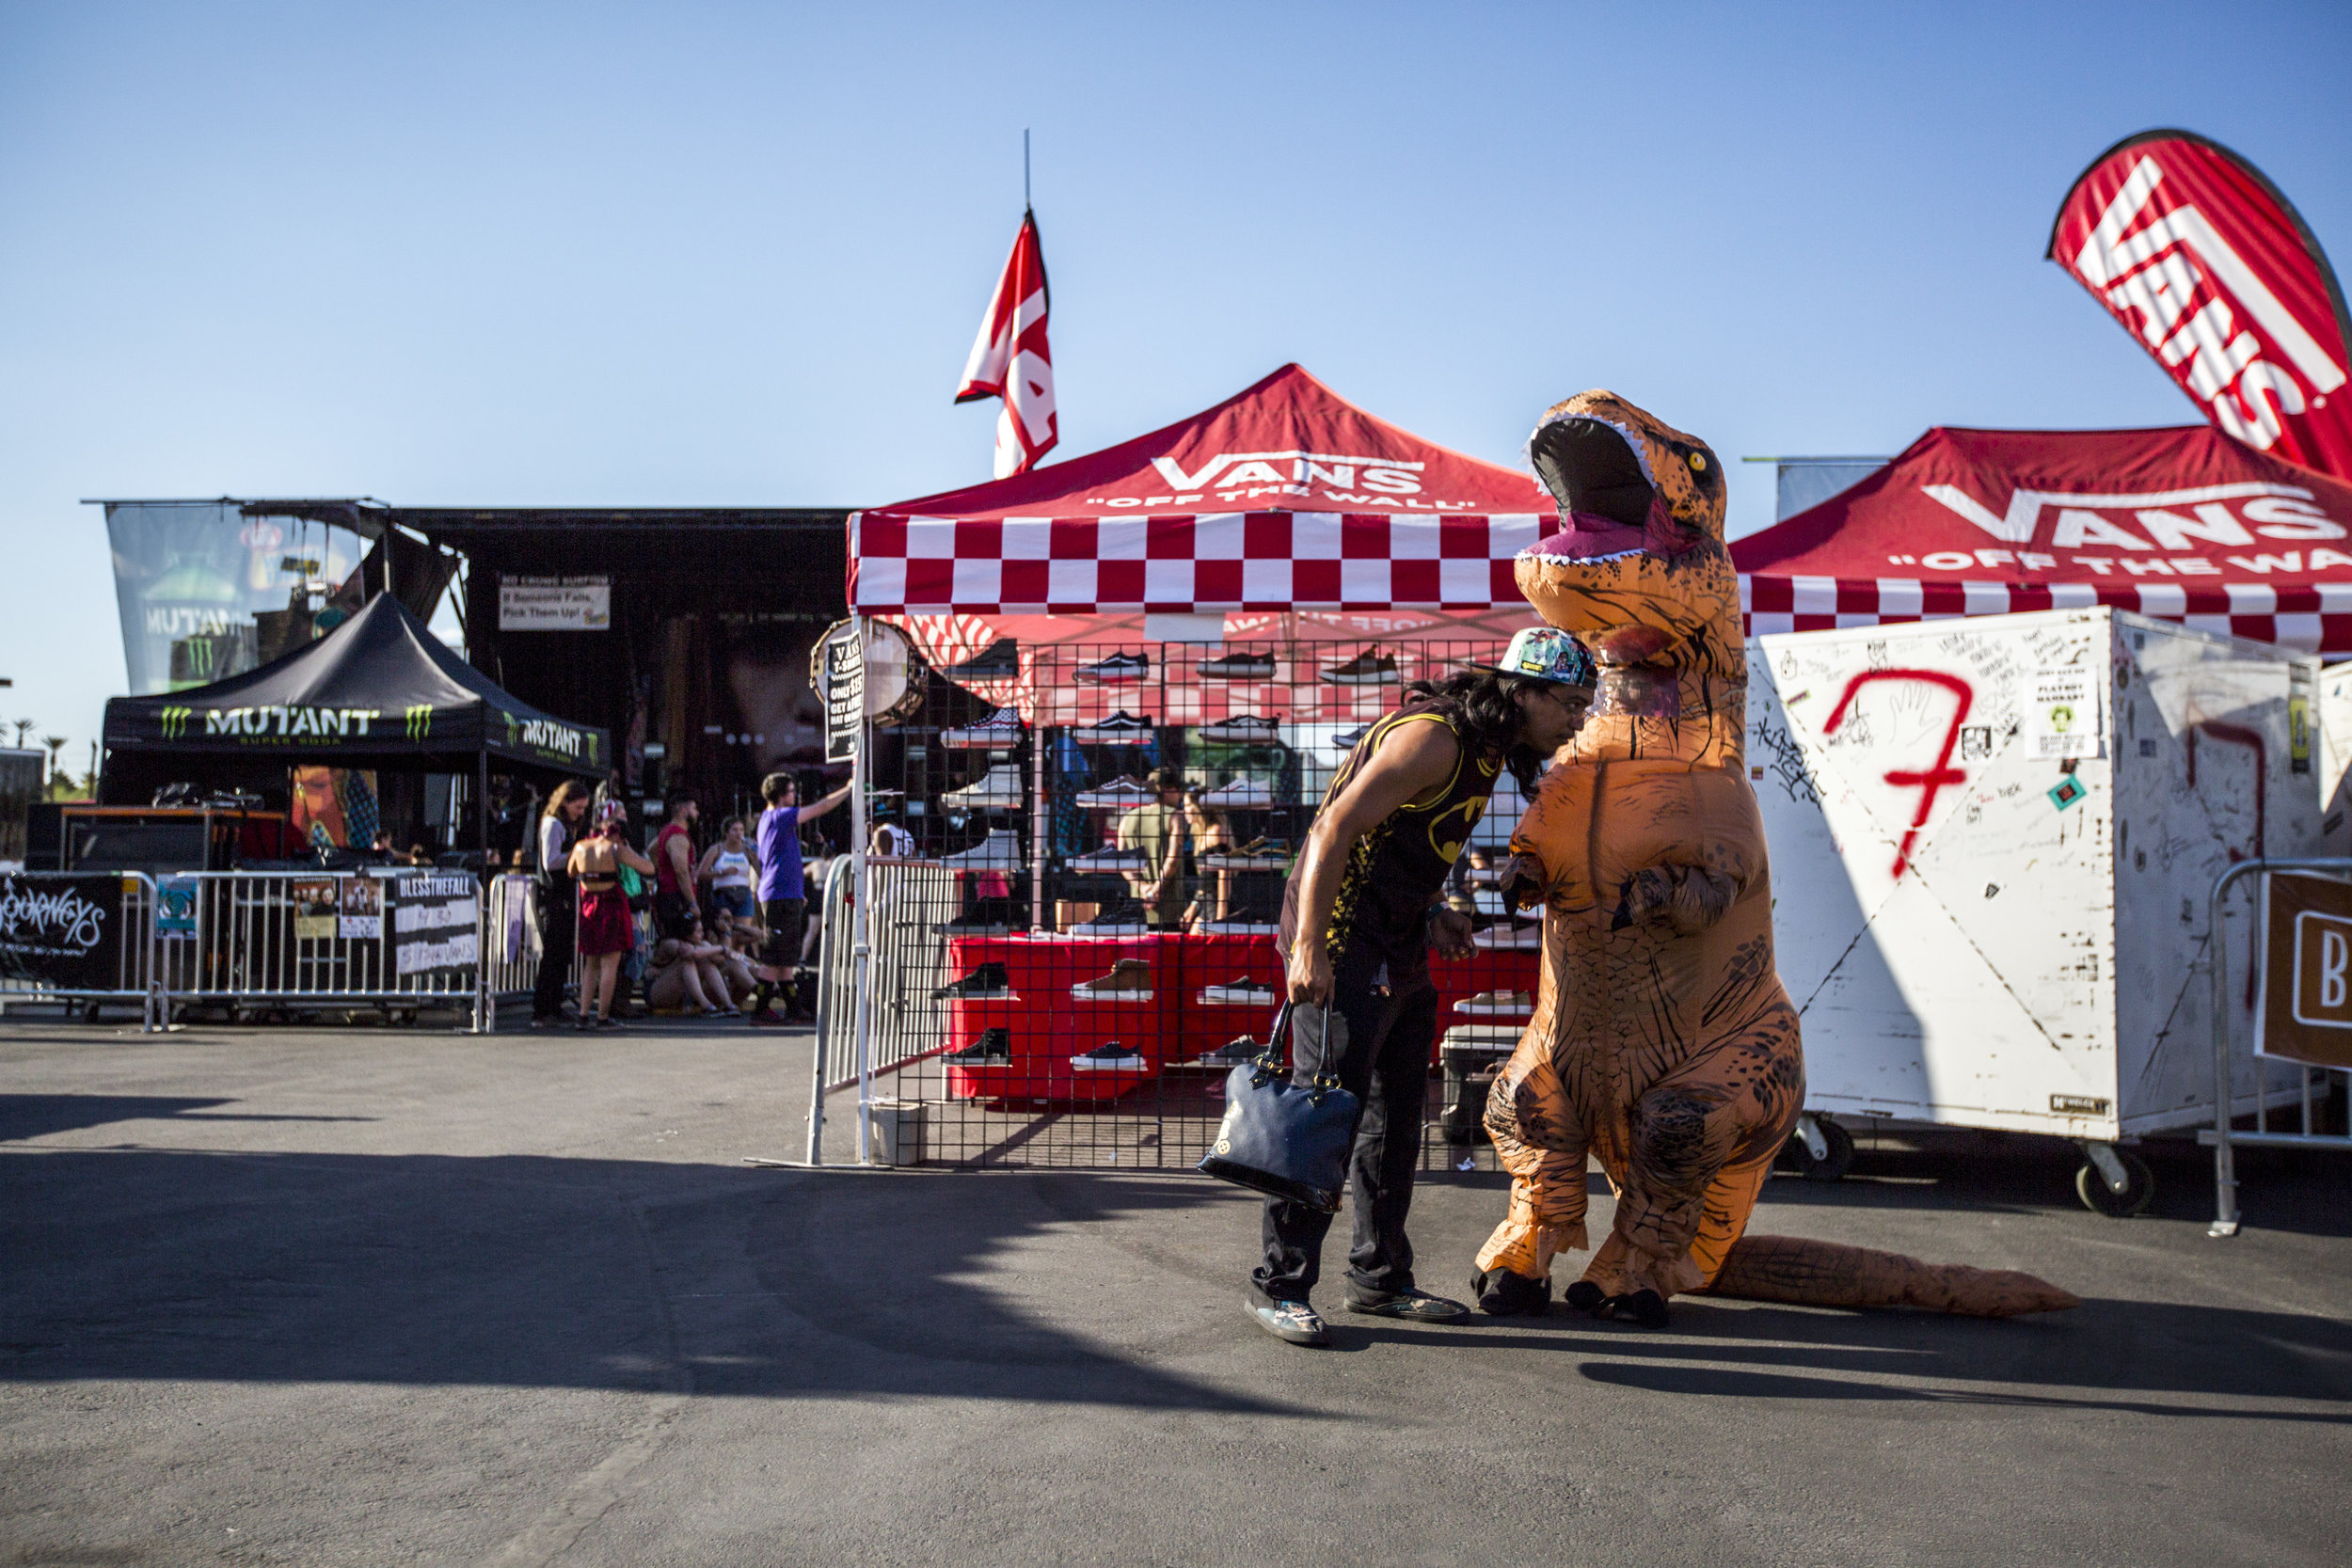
(1829, 1273)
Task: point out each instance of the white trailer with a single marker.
(1993, 842)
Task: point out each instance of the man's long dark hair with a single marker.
(1487, 705)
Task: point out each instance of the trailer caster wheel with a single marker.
(2140, 1186)
(1836, 1152)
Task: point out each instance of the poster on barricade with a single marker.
(433, 928)
(2304, 1013)
(316, 905)
(62, 931)
(362, 910)
(176, 894)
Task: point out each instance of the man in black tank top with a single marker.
(1360, 914)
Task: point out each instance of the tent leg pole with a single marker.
(861, 902)
(482, 1016)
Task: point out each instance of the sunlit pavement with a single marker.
(366, 1297)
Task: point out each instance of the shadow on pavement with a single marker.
(587, 1274)
(37, 1115)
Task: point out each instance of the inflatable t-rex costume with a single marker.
(1662, 1042)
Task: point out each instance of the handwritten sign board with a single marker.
(434, 934)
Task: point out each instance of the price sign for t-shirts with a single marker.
(845, 692)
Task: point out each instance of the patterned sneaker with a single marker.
(1293, 1321)
(1415, 1306)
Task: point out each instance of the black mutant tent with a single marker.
(379, 691)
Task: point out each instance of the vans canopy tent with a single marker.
(2183, 524)
(1283, 512)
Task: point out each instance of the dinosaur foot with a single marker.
(1644, 1307)
(1506, 1294)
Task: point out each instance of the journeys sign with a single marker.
(63, 931)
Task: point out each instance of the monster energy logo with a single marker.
(420, 717)
(277, 721)
(176, 721)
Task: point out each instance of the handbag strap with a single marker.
(1269, 1062)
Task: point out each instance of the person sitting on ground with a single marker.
(691, 972)
(727, 869)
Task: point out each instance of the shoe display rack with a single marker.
(1070, 1028)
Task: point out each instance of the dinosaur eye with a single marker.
(1698, 462)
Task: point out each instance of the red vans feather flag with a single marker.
(1011, 360)
(2201, 256)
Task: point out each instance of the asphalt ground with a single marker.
(370, 1296)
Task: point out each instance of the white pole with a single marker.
(861, 902)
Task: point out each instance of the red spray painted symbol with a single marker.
(1936, 779)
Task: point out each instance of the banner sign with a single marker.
(433, 928)
(844, 691)
(176, 894)
(2304, 1013)
(2206, 263)
(555, 604)
(63, 931)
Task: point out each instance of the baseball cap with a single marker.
(1547, 653)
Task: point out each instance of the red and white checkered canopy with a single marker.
(2183, 524)
(1284, 498)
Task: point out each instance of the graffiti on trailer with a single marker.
(1931, 781)
(1787, 761)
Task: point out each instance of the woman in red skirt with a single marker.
(606, 930)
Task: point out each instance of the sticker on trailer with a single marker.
(2063, 715)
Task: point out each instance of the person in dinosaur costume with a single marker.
(1662, 1043)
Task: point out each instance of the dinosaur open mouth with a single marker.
(1602, 483)
(1589, 537)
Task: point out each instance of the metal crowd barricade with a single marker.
(244, 950)
(134, 978)
(2225, 1139)
(511, 933)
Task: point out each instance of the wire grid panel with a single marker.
(1081, 961)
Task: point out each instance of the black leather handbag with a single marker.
(1283, 1139)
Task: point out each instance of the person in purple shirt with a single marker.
(783, 885)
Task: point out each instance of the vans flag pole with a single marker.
(2209, 265)
(1011, 358)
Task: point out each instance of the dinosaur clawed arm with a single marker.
(1690, 897)
(1523, 880)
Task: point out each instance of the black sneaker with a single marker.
(1122, 919)
(1370, 668)
(1238, 667)
(1347, 742)
(999, 661)
(1109, 1056)
(986, 983)
(1243, 730)
(1116, 669)
(1413, 1307)
(987, 917)
(994, 1045)
(1120, 729)
(1242, 1050)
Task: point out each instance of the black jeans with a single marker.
(1376, 1043)
(558, 930)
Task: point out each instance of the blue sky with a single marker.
(736, 254)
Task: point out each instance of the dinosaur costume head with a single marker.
(1638, 569)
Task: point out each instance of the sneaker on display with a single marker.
(998, 789)
(1261, 855)
(1238, 667)
(988, 983)
(998, 731)
(1120, 729)
(999, 661)
(1124, 919)
(1239, 795)
(1370, 668)
(1238, 994)
(1243, 729)
(987, 917)
(1496, 1004)
(994, 1045)
(1242, 1049)
(1347, 742)
(1116, 669)
(999, 851)
(1519, 933)
(1109, 1056)
(1242, 923)
(1124, 793)
(1110, 858)
(1130, 980)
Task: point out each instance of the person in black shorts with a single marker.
(782, 884)
(1360, 914)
